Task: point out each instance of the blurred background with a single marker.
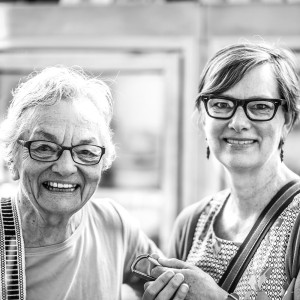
(150, 53)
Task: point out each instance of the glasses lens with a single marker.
(220, 108)
(87, 154)
(261, 109)
(44, 151)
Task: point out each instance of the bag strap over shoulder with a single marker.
(248, 248)
(12, 254)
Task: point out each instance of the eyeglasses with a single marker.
(143, 265)
(48, 151)
(256, 109)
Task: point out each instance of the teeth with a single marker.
(240, 142)
(61, 185)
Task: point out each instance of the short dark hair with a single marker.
(229, 65)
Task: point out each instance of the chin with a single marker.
(60, 206)
(241, 164)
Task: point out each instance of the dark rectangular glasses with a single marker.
(46, 151)
(256, 109)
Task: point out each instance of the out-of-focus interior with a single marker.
(151, 54)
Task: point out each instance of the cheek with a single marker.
(30, 171)
(92, 177)
(213, 129)
(270, 133)
(29, 178)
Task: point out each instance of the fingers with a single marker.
(173, 263)
(146, 285)
(181, 292)
(157, 271)
(165, 287)
(153, 288)
(155, 256)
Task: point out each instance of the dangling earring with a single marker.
(207, 152)
(281, 149)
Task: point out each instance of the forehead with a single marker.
(257, 82)
(72, 120)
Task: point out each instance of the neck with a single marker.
(250, 193)
(43, 229)
(253, 190)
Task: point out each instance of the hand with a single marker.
(201, 285)
(167, 286)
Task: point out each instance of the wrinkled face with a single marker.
(62, 186)
(239, 143)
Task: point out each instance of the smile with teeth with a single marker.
(59, 187)
(240, 142)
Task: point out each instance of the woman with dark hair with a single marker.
(243, 242)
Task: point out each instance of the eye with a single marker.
(221, 105)
(261, 106)
(42, 150)
(42, 147)
(86, 153)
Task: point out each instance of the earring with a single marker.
(207, 152)
(281, 150)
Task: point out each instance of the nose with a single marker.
(239, 120)
(65, 165)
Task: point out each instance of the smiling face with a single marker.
(241, 144)
(62, 186)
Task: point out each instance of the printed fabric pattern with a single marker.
(265, 277)
(12, 255)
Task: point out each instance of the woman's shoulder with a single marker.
(185, 224)
(104, 203)
(195, 209)
(106, 210)
(110, 213)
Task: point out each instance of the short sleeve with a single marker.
(135, 243)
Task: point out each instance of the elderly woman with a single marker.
(243, 242)
(66, 244)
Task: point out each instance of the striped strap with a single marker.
(12, 255)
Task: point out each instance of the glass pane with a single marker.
(7, 83)
(138, 126)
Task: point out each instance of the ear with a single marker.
(14, 172)
(201, 115)
(288, 124)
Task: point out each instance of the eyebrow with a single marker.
(46, 135)
(265, 97)
(88, 141)
(50, 137)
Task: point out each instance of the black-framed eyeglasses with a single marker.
(256, 109)
(142, 266)
(46, 151)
